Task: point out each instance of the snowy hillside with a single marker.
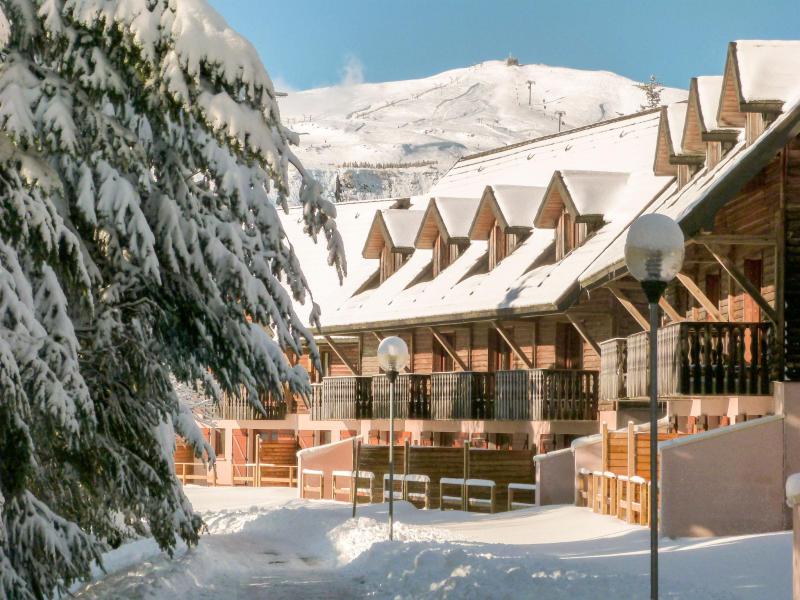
(424, 125)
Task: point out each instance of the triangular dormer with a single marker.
(702, 134)
(445, 229)
(670, 160)
(574, 205)
(760, 77)
(504, 217)
(391, 238)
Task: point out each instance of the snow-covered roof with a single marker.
(522, 282)
(512, 206)
(708, 90)
(352, 219)
(586, 195)
(449, 216)
(695, 201)
(611, 145)
(767, 69)
(393, 227)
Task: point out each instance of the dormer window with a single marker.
(504, 217)
(444, 254)
(390, 262)
(445, 228)
(702, 134)
(574, 205)
(391, 239)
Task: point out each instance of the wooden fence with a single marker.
(624, 475)
(501, 466)
(239, 407)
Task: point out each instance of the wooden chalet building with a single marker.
(507, 281)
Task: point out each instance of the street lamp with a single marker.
(392, 358)
(654, 252)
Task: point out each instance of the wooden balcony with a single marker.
(528, 395)
(231, 407)
(412, 396)
(346, 398)
(695, 358)
(546, 394)
(462, 395)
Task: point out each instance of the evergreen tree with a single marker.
(652, 91)
(141, 156)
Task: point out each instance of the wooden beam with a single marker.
(750, 289)
(734, 239)
(377, 336)
(341, 355)
(673, 314)
(629, 306)
(697, 293)
(448, 348)
(509, 339)
(584, 333)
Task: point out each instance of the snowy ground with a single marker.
(264, 543)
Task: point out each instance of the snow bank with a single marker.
(266, 544)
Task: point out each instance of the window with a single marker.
(569, 347)
(390, 262)
(499, 352)
(442, 361)
(570, 235)
(497, 246)
(713, 288)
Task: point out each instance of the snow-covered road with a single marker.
(264, 543)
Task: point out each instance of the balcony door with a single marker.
(499, 353)
(752, 312)
(442, 361)
(569, 347)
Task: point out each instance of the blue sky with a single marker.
(310, 43)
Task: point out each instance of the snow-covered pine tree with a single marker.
(652, 92)
(141, 154)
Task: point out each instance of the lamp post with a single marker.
(392, 358)
(654, 252)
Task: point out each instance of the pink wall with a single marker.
(589, 455)
(724, 482)
(337, 456)
(555, 477)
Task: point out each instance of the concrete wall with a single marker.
(787, 403)
(555, 477)
(589, 454)
(727, 481)
(337, 456)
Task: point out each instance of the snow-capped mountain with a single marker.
(395, 138)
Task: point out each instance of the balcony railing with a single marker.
(613, 368)
(412, 396)
(462, 395)
(694, 358)
(315, 401)
(346, 398)
(536, 394)
(239, 408)
(546, 394)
